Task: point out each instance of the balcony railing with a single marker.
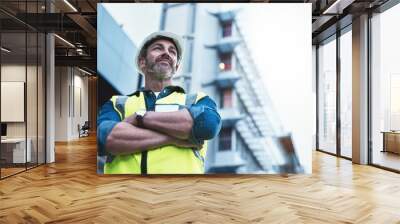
(226, 45)
(226, 79)
(224, 16)
(226, 162)
(230, 116)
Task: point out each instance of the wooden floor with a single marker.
(10, 171)
(69, 191)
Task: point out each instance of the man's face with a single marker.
(160, 60)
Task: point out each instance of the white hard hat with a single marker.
(160, 35)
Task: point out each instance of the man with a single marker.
(159, 129)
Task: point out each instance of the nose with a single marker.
(166, 53)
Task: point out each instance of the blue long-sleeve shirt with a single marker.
(206, 120)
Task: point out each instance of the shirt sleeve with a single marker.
(206, 120)
(106, 120)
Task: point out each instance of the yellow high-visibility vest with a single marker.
(168, 159)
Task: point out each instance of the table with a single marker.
(13, 150)
(391, 141)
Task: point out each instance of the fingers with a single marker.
(131, 119)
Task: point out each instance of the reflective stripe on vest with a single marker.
(168, 159)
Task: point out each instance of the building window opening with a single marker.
(226, 98)
(225, 139)
(227, 29)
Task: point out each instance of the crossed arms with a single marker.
(187, 127)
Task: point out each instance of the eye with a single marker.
(173, 51)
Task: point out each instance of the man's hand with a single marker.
(131, 119)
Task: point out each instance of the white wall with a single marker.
(80, 89)
(70, 83)
(61, 103)
(314, 95)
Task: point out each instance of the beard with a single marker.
(161, 68)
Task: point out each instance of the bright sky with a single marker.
(132, 17)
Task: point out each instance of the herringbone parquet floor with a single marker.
(69, 191)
